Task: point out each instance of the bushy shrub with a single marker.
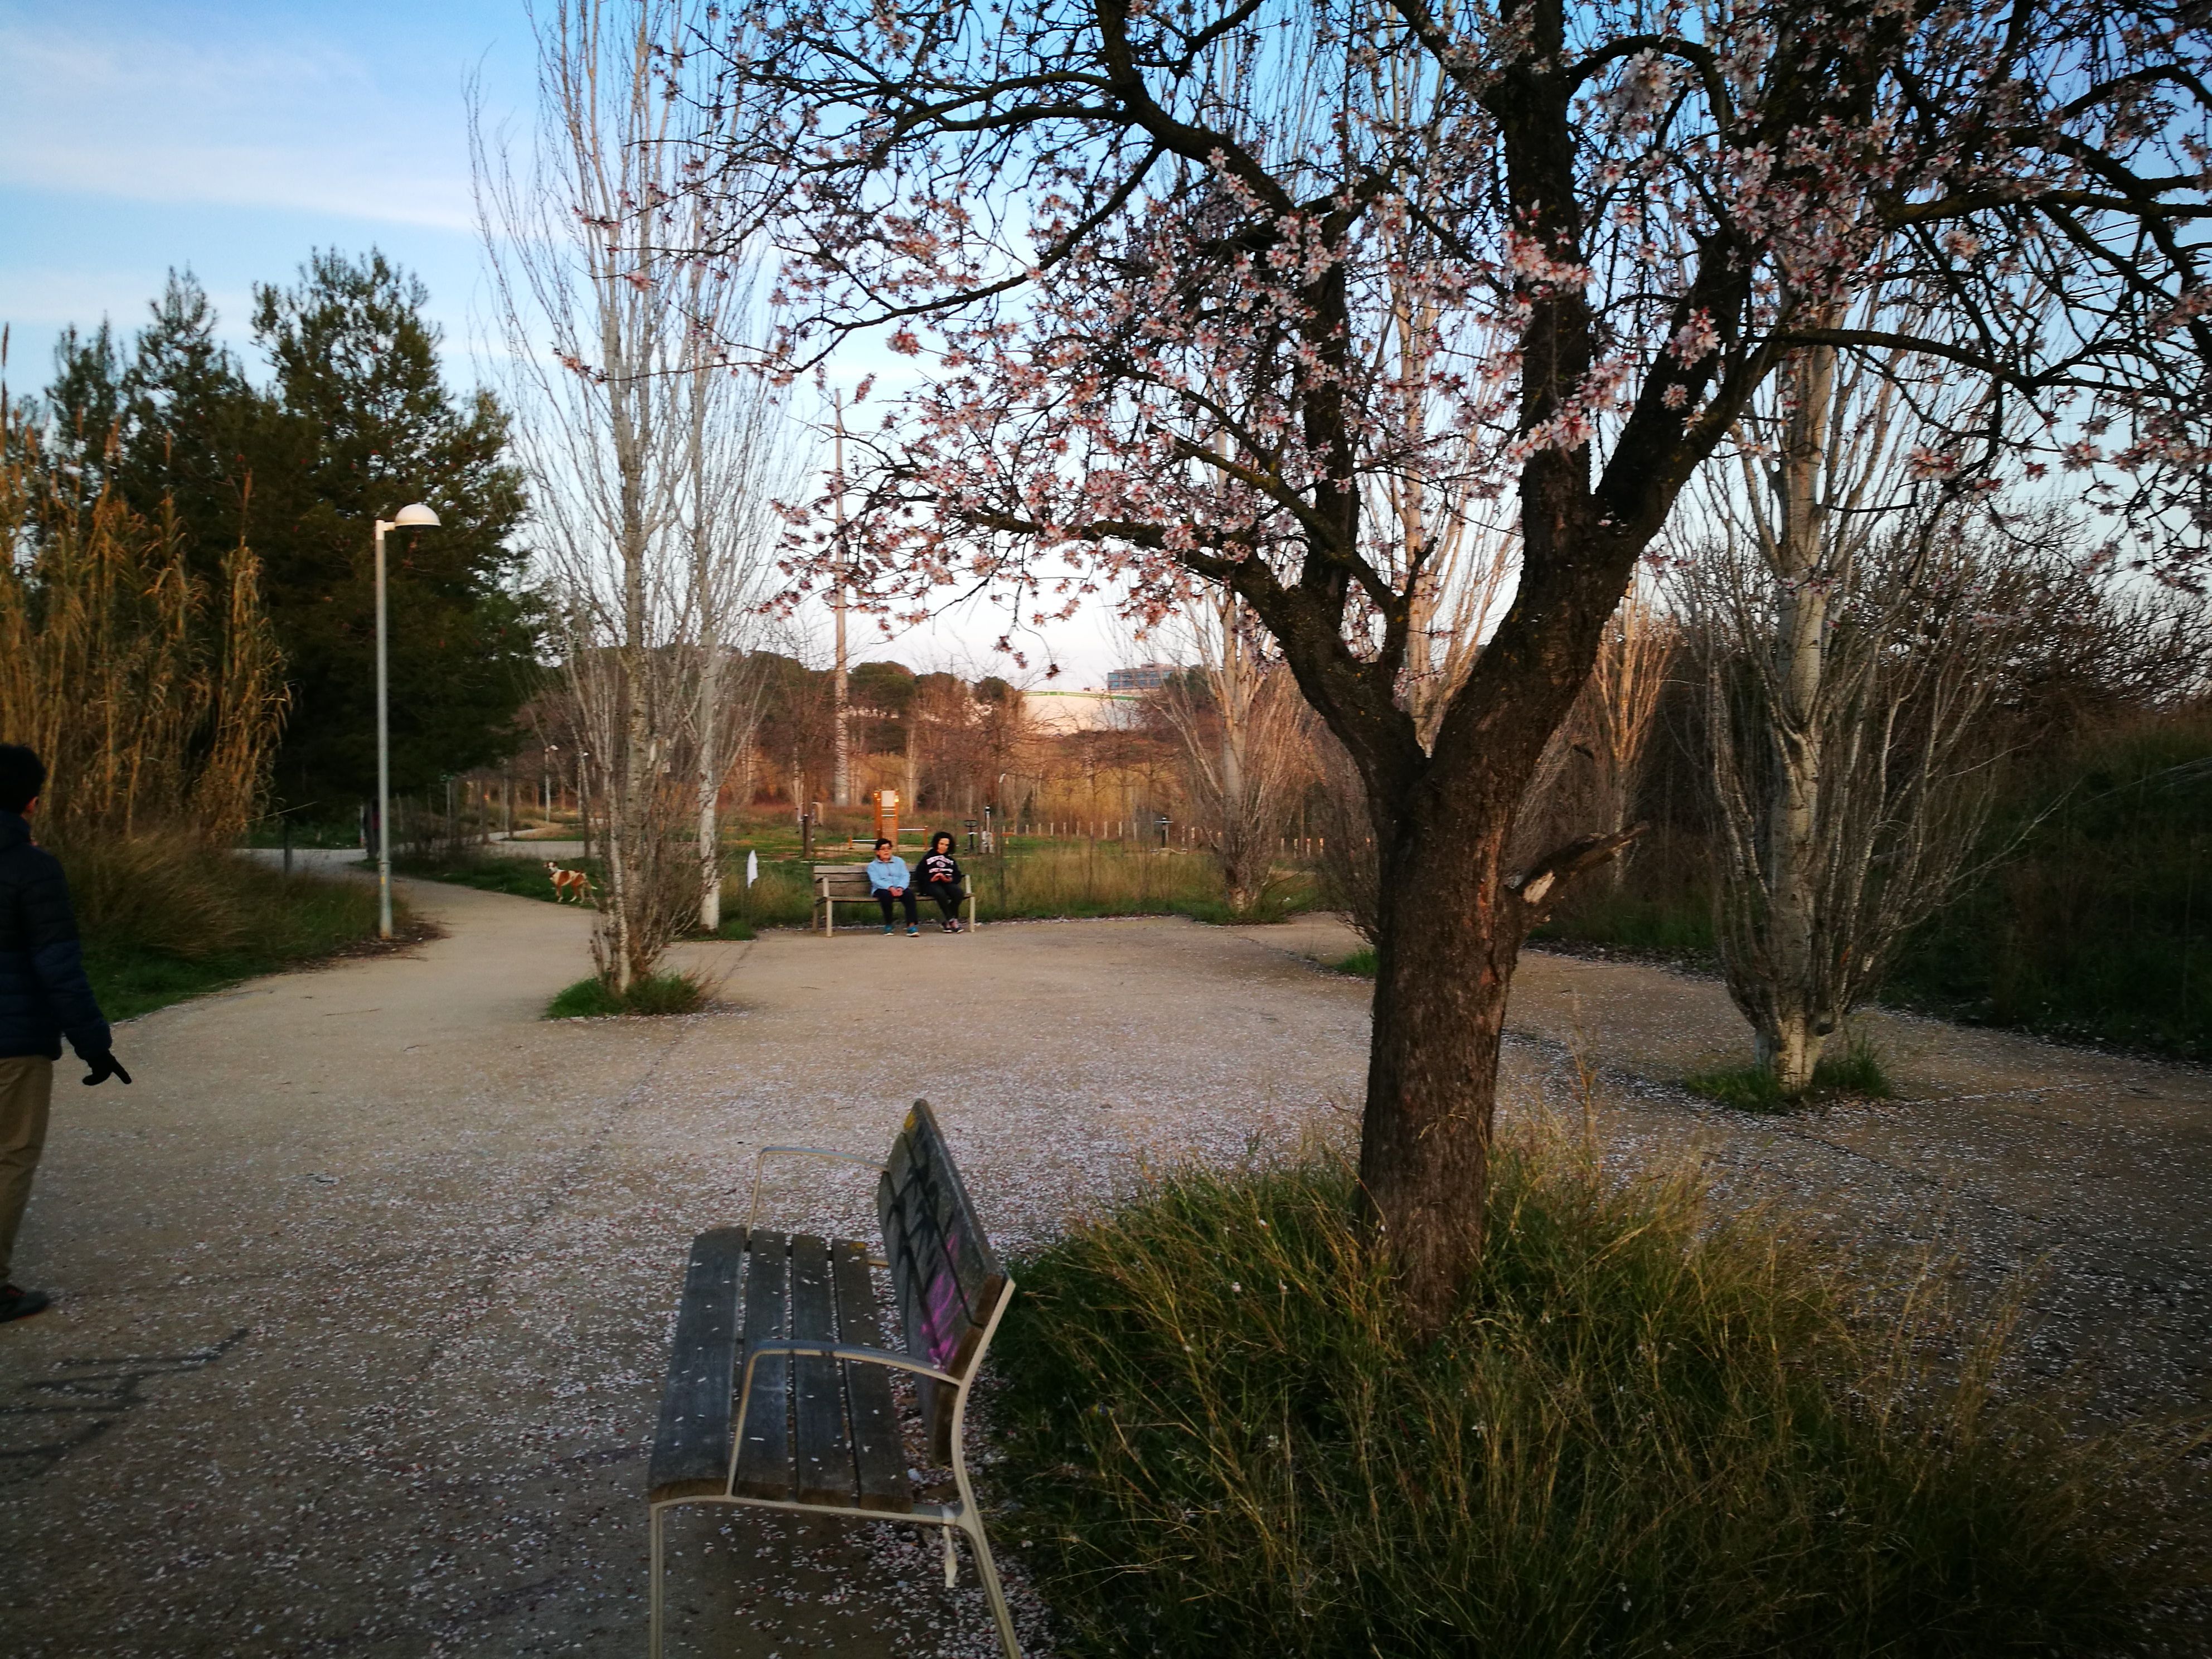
(165, 917)
(1654, 1430)
(173, 895)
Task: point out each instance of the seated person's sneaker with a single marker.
(16, 1303)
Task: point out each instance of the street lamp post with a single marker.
(417, 517)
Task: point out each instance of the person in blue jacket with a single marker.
(892, 883)
(44, 996)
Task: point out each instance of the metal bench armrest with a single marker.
(804, 1349)
(760, 1160)
(807, 1350)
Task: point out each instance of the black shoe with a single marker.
(16, 1303)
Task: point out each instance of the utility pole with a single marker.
(841, 790)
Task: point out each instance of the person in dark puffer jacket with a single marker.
(44, 995)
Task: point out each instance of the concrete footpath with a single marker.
(366, 1283)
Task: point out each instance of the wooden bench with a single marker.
(847, 884)
(779, 1389)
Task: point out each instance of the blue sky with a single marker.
(233, 139)
(141, 135)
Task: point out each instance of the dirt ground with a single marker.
(365, 1285)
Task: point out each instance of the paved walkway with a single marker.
(365, 1283)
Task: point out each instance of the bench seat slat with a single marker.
(879, 1453)
(825, 1451)
(691, 1447)
(763, 1465)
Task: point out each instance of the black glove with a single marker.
(104, 1065)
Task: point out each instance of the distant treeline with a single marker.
(2092, 918)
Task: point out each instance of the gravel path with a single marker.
(365, 1283)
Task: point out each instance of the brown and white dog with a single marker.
(568, 883)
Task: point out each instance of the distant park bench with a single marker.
(847, 884)
(779, 1390)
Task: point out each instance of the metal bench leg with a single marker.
(970, 1518)
(654, 1599)
(988, 1571)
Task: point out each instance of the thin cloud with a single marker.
(141, 117)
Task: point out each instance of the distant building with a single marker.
(1145, 677)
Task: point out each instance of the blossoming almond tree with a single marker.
(1150, 253)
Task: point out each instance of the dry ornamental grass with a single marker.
(1652, 1430)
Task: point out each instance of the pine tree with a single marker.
(188, 424)
(356, 423)
(362, 423)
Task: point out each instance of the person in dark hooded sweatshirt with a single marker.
(44, 996)
(938, 877)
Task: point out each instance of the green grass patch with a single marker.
(1673, 928)
(1034, 879)
(782, 896)
(655, 995)
(1359, 963)
(495, 872)
(1047, 879)
(163, 919)
(1654, 1429)
(2098, 925)
(1857, 1071)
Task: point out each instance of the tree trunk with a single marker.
(1237, 830)
(1790, 1034)
(710, 855)
(1788, 1045)
(1444, 953)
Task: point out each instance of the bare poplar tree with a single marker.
(1242, 728)
(1619, 704)
(650, 460)
(1853, 628)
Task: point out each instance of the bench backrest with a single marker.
(947, 1280)
(847, 880)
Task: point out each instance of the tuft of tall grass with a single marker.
(154, 691)
(1856, 1069)
(1653, 1430)
(653, 994)
(1109, 878)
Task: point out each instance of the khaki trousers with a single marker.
(26, 1091)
